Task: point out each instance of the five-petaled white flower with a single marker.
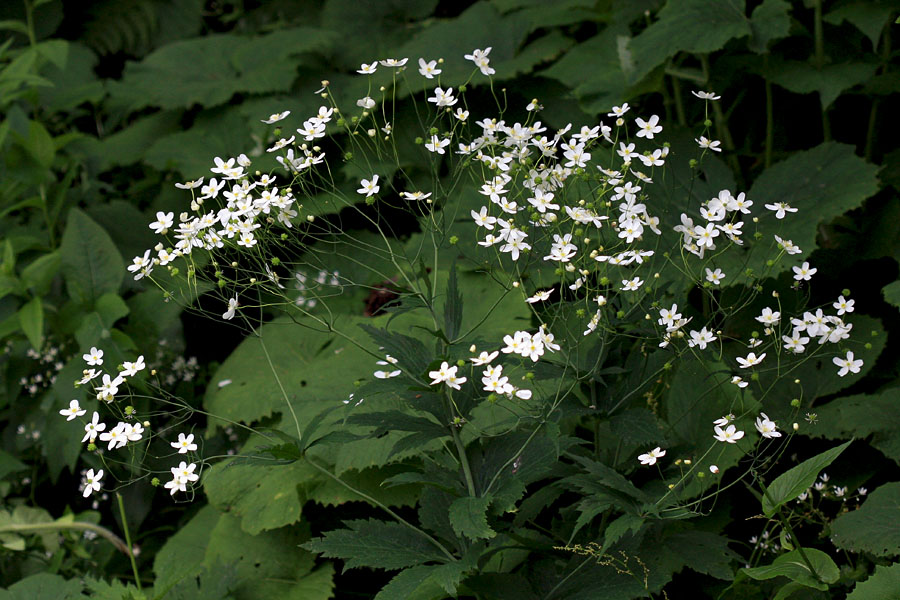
(804, 272)
(647, 129)
(368, 69)
(73, 411)
(428, 69)
(751, 360)
(847, 364)
(92, 429)
(715, 277)
(706, 95)
(369, 187)
(94, 357)
(710, 144)
(365, 103)
(446, 374)
(729, 434)
(131, 368)
(630, 285)
(780, 209)
(184, 444)
(437, 144)
(766, 427)
(274, 118)
(481, 60)
(163, 222)
(651, 457)
(92, 482)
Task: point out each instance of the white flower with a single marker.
(163, 222)
(715, 277)
(184, 444)
(388, 360)
(232, 306)
(631, 284)
(766, 427)
(739, 381)
(804, 272)
(368, 69)
(428, 69)
(484, 358)
(540, 296)
(393, 62)
(847, 364)
(92, 429)
(437, 144)
(115, 436)
(131, 368)
(274, 118)
(729, 434)
(710, 144)
(651, 457)
(648, 128)
(446, 374)
(366, 103)
(706, 95)
(94, 357)
(479, 57)
(442, 98)
(73, 411)
(369, 187)
(780, 209)
(92, 482)
(751, 360)
(843, 305)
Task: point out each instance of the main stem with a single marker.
(134, 569)
(467, 471)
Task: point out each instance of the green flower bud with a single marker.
(795, 402)
(621, 314)
(453, 240)
(276, 261)
(155, 482)
(845, 292)
(221, 283)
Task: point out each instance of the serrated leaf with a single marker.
(792, 566)
(43, 586)
(797, 480)
(376, 544)
(829, 81)
(92, 265)
(881, 585)
(676, 30)
(891, 293)
(409, 352)
(770, 21)
(468, 516)
(875, 526)
(869, 17)
(861, 416)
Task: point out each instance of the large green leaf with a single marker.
(870, 17)
(861, 416)
(43, 586)
(31, 320)
(821, 183)
(210, 70)
(687, 26)
(875, 526)
(770, 21)
(881, 585)
(376, 544)
(92, 266)
(797, 480)
(829, 81)
(792, 566)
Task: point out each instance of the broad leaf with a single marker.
(881, 585)
(875, 526)
(770, 21)
(797, 480)
(792, 566)
(92, 266)
(43, 586)
(829, 81)
(31, 320)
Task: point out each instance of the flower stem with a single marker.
(103, 532)
(134, 569)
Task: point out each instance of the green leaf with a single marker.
(829, 81)
(182, 554)
(875, 526)
(43, 586)
(376, 544)
(10, 464)
(821, 183)
(111, 308)
(869, 17)
(792, 566)
(797, 480)
(881, 585)
(416, 583)
(92, 266)
(770, 21)
(453, 306)
(209, 70)
(31, 320)
(38, 275)
(677, 30)
(862, 416)
(891, 293)
(468, 516)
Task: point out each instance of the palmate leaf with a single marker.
(822, 183)
(468, 517)
(797, 480)
(829, 81)
(376, 544)
(687, 26)
(210, 70)
(862, 416)
(881, 585)
(875, 526)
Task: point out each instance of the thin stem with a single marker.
(679, 103)
(134, 569)
(770, 116)
(29, 22)
(463, 459)
(787, 526)
(103, 532)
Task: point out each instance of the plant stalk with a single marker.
(463, 459)
(134, 569)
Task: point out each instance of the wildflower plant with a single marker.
(460, 308)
